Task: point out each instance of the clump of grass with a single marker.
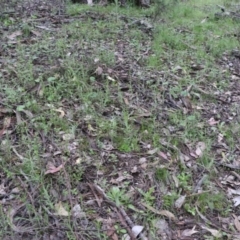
(162, 174)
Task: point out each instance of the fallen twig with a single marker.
(236, 174)
(95, 195)
(124, 217)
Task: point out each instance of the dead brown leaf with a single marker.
(212, 121)
(162, 212)
(52, 169)
(99, 71)
(162, 155)
(180, 201)
(236, 222)
(62, 113)
(38, 34)
(200, 148)
(60, 210)
(189, 232)
(6, 125)
(14, 35)
(214, 232)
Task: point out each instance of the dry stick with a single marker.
(100, 191)
(125, 224)
(235, 174)
(128, 220)
(197, 194)
(130, 223)
(121, 210)
(18, 155)
(95, 195)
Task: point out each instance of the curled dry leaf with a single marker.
(236, 222)
(14, 35)
(6, 122)
(126, 101)
(220, 137)
(78, 161)
(121, 178)
(60, 210)
(162, 212)
(163, 155)
(153, 151)
(62, 113)
(134, 169)
(189, 232)
(200, 148)
(176, 181)
(212, 121)
(28, 113)
(15, 190)
(2, 189)
(214, 232)
(187, 102)
(77, 212)
(204, 20)
(38, 34)
(18, 117)
(52, 169)
(111, 79)
(99, 71)
(68, 136)
(180, 201)
(142, 160)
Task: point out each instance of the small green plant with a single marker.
(162, 174)
(190, 209)
(148, 196)
(119, 230)
(184, 179)
(26, 29)
(7, 21)
(213, 202)
(118, 196)
(169, 199)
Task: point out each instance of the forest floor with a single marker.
(119, 122)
